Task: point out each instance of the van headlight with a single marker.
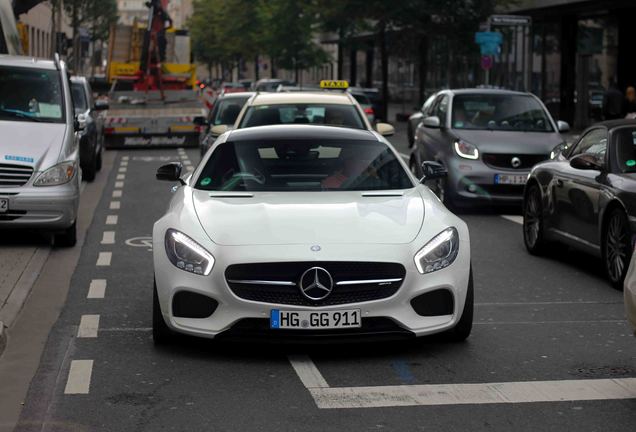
(57, 175)
(438, 253)
(187, 254)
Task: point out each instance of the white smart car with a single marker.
(300, 232)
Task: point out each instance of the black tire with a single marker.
(464, 326)
(617, 250)
(161, 333)
(67, 238)
(410, 134)
(89, 170)
(533, 228)
(99, 161)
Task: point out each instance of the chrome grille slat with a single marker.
(14, 175)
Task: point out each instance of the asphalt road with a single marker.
(552, 319)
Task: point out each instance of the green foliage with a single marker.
(95, 15)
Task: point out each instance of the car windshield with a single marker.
(303, 165)
(499, 112)
(31, 95)
(226, 111)
(315, 114)
(625, 154)
(79, 97)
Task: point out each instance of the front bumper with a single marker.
(50, 207)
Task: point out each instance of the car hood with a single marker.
(511, 142)
(28, 143)
(273, 218)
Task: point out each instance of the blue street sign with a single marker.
(489, 42)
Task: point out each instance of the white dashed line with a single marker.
(123, 169)
(97, 289)
(108, 237)
(117, 193)
(125, 158)
(119, 184)
(104, 258)
(515, 219)
(115, 205)
(121, 176)
(308, 372)
(89, 325)
(124, 163)
(111, 220)
(79, 377)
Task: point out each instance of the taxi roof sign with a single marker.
(334, 84)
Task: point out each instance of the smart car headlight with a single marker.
(438, 253)
(56, 175)
(466, 150)
(187, 254)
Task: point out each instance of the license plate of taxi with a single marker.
(510, 179)
(4, 205)
(315, 320)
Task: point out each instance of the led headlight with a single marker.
(466, 150)
(187, 254)
(57, 175)
(438, 253)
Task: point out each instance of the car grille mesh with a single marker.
(505, 160)
(292, 271)
(14, 175)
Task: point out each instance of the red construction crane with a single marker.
(153, 53)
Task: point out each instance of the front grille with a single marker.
(14, 175)
(495, 160)
(237, 275)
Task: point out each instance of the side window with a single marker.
(441, 110)
(593, 143)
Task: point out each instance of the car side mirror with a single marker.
(585, 162)
(433, 170)
(80, 122)
(101, 105)
(200, 121)
(170, 172)
(219, 129)
(432, 122)
(385, 129)
(563, 126)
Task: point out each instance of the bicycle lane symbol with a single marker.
(140, 242)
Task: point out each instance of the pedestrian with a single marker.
(613, 103)
(630, 103)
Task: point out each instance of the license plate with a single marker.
(4, 205)
(508, 179)
(314, 320)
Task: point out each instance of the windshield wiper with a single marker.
(20, 114)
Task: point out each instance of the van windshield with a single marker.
(31, 95)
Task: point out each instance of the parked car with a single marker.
(91, 138)
(488, 140)
(586, 197)
(224, 112)
(416, 118)
(365, 104)
(271, 84)
(375, 98)
(39, 155)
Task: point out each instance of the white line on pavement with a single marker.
(79, 377)
(307, 371)
(550, 322)
(121, 176)
(108, 237)
(97, 289)
(104, 258)
(89, 325)
(125, 158)
(117, 193)
(115, 205)
(111, 220)
(123, 169)
(513, 218)
(119, 184)
(123, 163)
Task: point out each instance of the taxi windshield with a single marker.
(312, 114)
(31, 95)
(303, 165)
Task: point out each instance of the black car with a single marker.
(222, 116)
(586, 197)
(91, 139)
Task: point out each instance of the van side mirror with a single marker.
(170, 172)
(433, 170)
(79, 124)
(101, 105)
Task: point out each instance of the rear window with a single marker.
(362, 99)
(313, 114)
(79, 97)
(31, 95)
(226, 111)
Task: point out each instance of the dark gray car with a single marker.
(488, 140)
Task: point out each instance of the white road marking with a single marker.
(307, 371)
(79, 377)
(108, 237)
(97, 289)
(103, 260)
(123, 169)
(111, 220)
(89, 325)
(115, 205)
(121, 176)
(117, 193)
(119, 184)
(513, 218)
(550, 322)
(123, 163)
(125, 158)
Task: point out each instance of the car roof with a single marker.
(27, 62)
(236, 95)
(612, 124)
(78, 79)
(468, 91)
(300, 132)
(336, 98)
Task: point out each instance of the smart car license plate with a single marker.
(314, 320)
(507, 179)
(4, 205)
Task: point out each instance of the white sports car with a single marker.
(298, 232)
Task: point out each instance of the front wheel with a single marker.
(67, 238)
(161, 333)
(617, 250)
(533, 235)
(464, 326)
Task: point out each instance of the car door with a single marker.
(433, 141)
(577, 191)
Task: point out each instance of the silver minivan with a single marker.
(39, 157)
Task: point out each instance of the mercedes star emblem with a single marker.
(316, 248)
(316, 283)
(515, 162)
